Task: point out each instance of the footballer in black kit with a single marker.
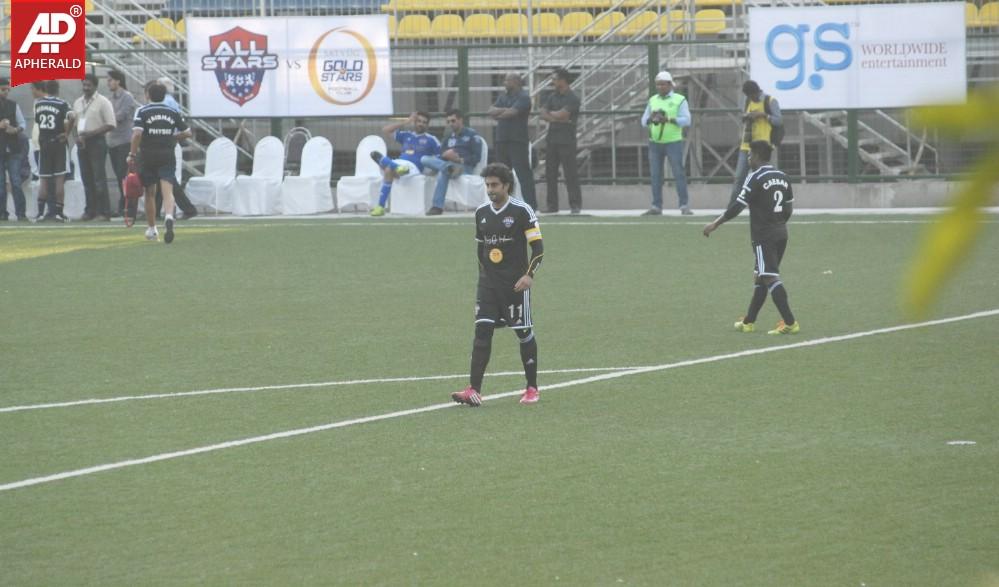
(54, 118)
(510, 249)
(768, 194)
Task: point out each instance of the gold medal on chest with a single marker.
(495, 255)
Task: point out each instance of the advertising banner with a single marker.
(289, 67)
(866, 56)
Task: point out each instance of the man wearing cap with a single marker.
(12, 154)
(761, 116)
(666, 115)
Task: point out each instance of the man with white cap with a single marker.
(666, 115)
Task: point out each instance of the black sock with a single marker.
(759, 298)
(529, 356)
(482, 347)
(58, 210)
(779, 295)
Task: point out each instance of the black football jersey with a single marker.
(767, 192)
(50, 116)
(503, 236)
(159, 124)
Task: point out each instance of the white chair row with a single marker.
(412, 194)
(266, 191)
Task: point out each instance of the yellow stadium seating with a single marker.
(512, 25)
(709, 21)
(447, 26)
(574, 22)
(159, 29)
(988, 15)
(182, 29)
(573, 4)
(393, 26)
(88, 6)
(546, 24)
(480, 25)
(674, 22)
(641, 23)
(717, 3)
(413, 26)
(970, 14)
(605, 21)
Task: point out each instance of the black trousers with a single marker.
(119, 163)
(517, 156)
(93, 154)
(563, 155)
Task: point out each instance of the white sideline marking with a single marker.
(436, 407)
(125, 398)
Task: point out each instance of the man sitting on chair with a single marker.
(464, 151)
(415, 144)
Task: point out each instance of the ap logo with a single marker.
(50, 30)
(789, 47)
(49, 40)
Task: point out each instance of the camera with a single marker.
(658, 117)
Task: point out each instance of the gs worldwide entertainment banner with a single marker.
(301, 66)
(869, 56)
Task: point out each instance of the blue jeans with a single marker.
(11, 164)
(657, 153)
(443, 169)
(741, 171)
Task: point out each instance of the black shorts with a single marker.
(154, 166)
(767, 256)
(501, 306)
(52, 158)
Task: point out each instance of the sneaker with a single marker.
(152, 234)
(435, 211)
(530, 396)
(60, 218)
(741, 326)
(168, 237)
(653, 212)
(785, 329)
(686, 211)
(468, 396)
(40, 218)
(377, 157)
(378, 211)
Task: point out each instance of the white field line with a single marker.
(435, 407)
(126, 398)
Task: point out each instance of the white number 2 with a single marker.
(47, 121)
(778, 199)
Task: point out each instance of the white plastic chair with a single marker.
(309, 192)
(212, 189)
(362, 187)
(259, 193)
(469, 190)
(75, 202)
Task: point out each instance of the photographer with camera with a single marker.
(666, 115)
(761, 121)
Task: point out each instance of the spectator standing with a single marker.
(463, 152)
(666, 115)
(561, 112)
(511, 140)
(761, 115)
(124, 106)
(94, 118)
(12, 153)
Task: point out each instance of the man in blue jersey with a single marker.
(463, 153)
(415, 145)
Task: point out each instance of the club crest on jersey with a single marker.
(508, 221)
(239, 59)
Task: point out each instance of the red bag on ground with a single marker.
(132, 187)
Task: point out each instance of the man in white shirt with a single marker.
(94, 118)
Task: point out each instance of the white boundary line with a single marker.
(125, 398)
(435, 407)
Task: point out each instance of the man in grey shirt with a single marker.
(561, 111)
(124, 106)
(511, 140)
